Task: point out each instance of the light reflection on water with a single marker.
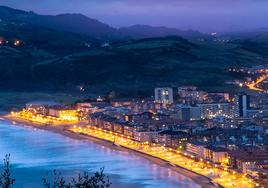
(35, 153)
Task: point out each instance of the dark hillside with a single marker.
(34, 57)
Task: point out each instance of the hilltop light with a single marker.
(81, 88)
(17, 43)
(213, 34)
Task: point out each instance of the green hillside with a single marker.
(139, 66)
(53, 60)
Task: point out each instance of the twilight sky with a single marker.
(203, 15)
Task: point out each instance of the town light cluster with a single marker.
(220, 135)
(217, 173)
(65, 117)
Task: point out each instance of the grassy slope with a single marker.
(139, 66)
(57, 60)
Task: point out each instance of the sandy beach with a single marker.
(203, 181)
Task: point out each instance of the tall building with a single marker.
(164, 95)
(188, 113)
(190, 94)
(242, 104)
(185, 114)
(212, 110)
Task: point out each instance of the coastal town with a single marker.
(221, 137)
(134, 94)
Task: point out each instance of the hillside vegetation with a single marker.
(48, 59)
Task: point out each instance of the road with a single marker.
(254, 84)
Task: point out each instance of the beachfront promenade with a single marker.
(177, 159)
(216, 173)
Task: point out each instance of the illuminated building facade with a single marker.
(242, 104)
(164, 96)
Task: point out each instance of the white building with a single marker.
(187, 112)
(195, 148)
(145, 136)
(164, 96)
(191, 93)
(212, 110)
(216, 154)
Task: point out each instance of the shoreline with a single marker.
(199, 179)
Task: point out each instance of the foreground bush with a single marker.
(97, 180)
(6, 181)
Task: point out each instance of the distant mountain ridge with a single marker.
(65, 51)
(78, 23)
(146, 31)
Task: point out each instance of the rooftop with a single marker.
(42, 103)
(248, 155)
(217, 149)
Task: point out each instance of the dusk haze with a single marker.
(204, 15)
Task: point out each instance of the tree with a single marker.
(58, 181)
(98, 180)
(6, 181)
